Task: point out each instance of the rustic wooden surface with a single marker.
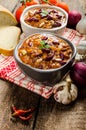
(49, 115)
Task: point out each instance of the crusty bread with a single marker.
(9, 37)
(6, 17)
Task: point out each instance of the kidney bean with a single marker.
(46, 50)
(56, 24)
(62, 62)
(55, 42)
(38, 12)
(53, 11)
(29, 19)
(58, 16)
(32, 19)
(36, 20)
(44, 38)
(62, 56)
(30, 44)
(37, 54)
(49, 17)
(50, 56)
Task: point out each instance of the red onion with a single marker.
(78, 74)
(73, 18)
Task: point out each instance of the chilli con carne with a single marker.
(45, 51)
(45, 18)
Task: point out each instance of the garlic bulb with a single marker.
(81, 26)
(65, 91)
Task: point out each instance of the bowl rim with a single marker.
(43, 6)
(47, 70)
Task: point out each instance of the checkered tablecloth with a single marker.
(11, 72)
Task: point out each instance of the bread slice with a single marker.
(6, 17)
(9, 38)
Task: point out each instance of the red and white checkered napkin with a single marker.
(11, 72)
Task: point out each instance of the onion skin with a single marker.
(80, 67)
(78, 74)
(73, 18)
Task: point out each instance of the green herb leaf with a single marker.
(24, 1)
(46, 1)
(43, 45)
(28, 0)
(44, 12)
(42, 42)
(47, 46)
(21, 1)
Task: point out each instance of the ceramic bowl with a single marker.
(50, 76)
(28, 29)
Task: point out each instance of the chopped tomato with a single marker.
(63, 5)
(44, 1)
(31, 2)
(52, 2)
(22, 7)
(19, 12)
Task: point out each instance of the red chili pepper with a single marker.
(18, 112)
(22, 114)
(25, 118)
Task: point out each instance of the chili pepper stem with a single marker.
(24, 2)
(18, 112)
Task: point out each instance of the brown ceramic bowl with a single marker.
(50, 76)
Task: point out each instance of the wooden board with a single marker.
(55, 116)
(9, 4)
(23, 99)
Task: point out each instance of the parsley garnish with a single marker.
(44, 12)
(44, 45)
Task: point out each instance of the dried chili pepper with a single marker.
(25, 118)
(22, 114)
(18, 112)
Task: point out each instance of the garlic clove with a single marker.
(81, 50)
(81, 26)
(83, 43)
(74, 92)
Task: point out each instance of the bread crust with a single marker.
(3, 10)
(5, 13)
(6, 52)
(9, 52)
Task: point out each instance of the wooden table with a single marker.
(49, 115)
